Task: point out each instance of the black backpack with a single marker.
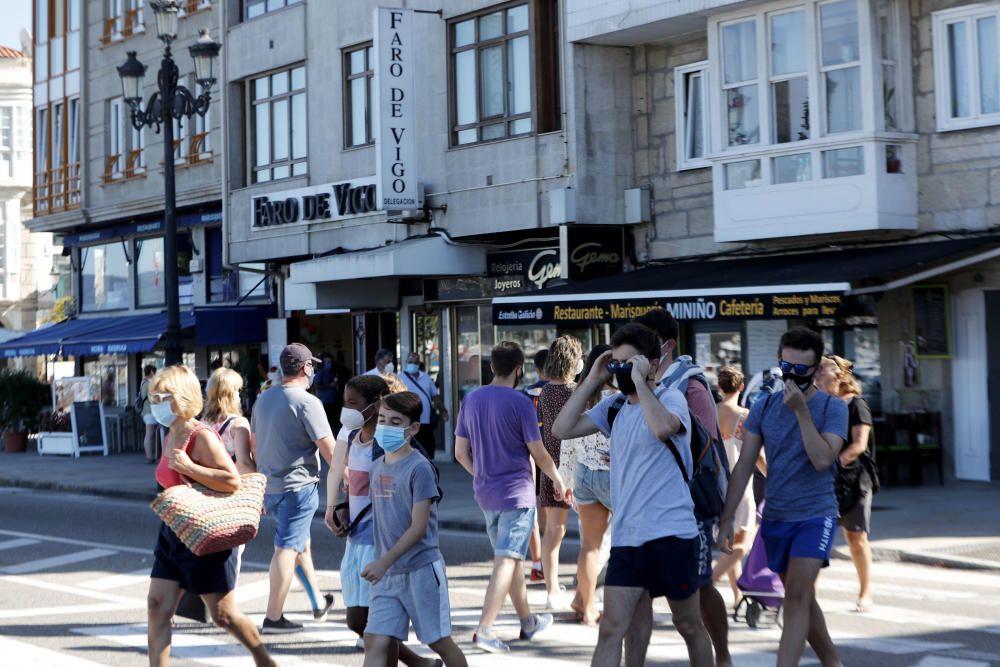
(704, 483)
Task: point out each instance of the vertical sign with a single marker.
(395, 138)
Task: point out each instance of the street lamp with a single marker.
(170, 101)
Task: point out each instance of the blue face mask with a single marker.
(390, 438)
(412, 369)
(162, 413)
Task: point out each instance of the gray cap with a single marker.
(294, 356)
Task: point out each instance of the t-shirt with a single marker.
(423, 386)
(499, 422)
(359, 465)
(795, 490)
(648, 491)
(859, 413)
(287, 421)
(396, 488)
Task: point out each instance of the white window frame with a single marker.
(682, 75)
(117, 141)
(940, 21)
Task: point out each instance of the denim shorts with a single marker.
(510, 531)
(592, 486)
(784, 540)
(294, 512)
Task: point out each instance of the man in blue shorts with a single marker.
(802, 431)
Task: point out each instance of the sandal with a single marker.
(864, 605)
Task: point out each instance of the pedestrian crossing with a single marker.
(924, 617)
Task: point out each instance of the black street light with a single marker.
(170, 101)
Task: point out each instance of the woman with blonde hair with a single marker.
(857, 468)
(564, 363)
(192, 452)
(224, 414)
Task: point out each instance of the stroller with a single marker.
(760, 587)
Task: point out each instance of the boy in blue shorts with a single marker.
(407, 577)
(802, 432)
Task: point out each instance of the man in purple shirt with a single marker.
(496, 437)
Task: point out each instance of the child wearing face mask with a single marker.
(407, 578)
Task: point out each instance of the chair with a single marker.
(910, 439)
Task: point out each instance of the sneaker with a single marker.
(556, 602)
(542, 623)
(491, 644)
(537, 574)
(280, 626)
(360, 644)
(320, 614)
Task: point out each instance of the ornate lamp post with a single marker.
(170, 101)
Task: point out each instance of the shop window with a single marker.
(692, 123)
(104, 277)
(713, 350)
(967, 66)
(112, 371)
(504, 78)
(149, 272)
(359, 76)
(278, 116)
(473, 343)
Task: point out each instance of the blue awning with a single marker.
(232, 325)
(123, 334)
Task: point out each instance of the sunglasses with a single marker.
(798, 369)
(160, 398)
(614, 365)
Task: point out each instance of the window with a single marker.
(841, 65)
(201, 146)
(278, 116)
(3, 251)
(149, 272)
(359, 78)
(180, 141)
(6, 142)
(967, 67)
(254, 8)
(498, 91)
(692, 127)
(114, 165)
(124, 20)
(104, 277)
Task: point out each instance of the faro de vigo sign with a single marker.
(318, 203)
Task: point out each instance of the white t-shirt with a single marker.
(648, 491)
(423, 386)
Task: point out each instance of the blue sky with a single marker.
(16, 15)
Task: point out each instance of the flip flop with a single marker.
(864, 606)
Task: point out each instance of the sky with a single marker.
(16, 15)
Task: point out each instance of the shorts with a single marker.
(666, 566)
(294, 512)
(355, 590)
(198, 575)
(706, 538)
(510, 531)
(784, 540)
(859, 518)
(419, 597)
(149, 420)
(592, 486)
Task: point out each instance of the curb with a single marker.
(888, 555)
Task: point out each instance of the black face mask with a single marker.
(803, 382)
(623, 378)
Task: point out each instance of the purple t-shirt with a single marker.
(499, 422)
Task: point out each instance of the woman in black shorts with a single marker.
(195, 451)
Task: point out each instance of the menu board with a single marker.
(931, 321)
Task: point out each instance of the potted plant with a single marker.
(22, 398)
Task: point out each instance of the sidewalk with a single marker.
(954, 526)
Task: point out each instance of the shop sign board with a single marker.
(319, 203)
(591, 251)
(395, 128)
(514, 271)
(574, 311)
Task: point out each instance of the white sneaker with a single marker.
(556, 602)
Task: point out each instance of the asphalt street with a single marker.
(73, 573)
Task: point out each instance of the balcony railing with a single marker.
(57, 189)
(122, 26)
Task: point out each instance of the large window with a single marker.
(126, 145)
(254, 8)
(149, 272)
(691, 95)
(502, 83)
(967, 66)
(278, 117)
(124, 19)
(359, 77)
(104, 277)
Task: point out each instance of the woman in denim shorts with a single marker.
(586, 461)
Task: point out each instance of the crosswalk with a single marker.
(95, 593)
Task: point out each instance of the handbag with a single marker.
(208, 521)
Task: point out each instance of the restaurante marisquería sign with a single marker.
(318, 203)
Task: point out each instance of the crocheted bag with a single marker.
(208, 521)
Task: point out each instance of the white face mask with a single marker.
(162, 413)
(605, 393)
(390, 368)
(351, 419)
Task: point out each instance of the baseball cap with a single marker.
(294, 356)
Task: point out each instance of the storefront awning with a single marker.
(804, 285)
(232, 325)
(123, 334)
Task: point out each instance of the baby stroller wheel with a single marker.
(753, 613)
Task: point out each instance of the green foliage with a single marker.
(22, 399)
(63, 309)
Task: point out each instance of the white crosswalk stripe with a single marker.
(37, 565)
(23, 653)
